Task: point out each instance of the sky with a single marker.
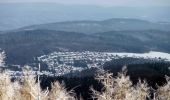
(18, 13)
(98, 2)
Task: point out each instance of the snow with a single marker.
(151, 54)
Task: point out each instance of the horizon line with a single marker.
(94, 5)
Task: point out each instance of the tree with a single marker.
(2, 57)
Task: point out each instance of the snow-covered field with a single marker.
(151, 55)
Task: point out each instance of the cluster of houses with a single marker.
(66, 62)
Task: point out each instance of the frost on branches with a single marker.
(120, 87)
(2, 57)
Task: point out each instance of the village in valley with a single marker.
(62, 63)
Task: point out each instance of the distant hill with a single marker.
(88, 27)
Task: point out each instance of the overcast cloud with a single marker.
(100, 2)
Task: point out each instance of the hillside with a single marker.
(89, 27)
(22, 46)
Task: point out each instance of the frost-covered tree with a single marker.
(163, 92)
(120, 87)
(107, 80)
(58, 92)
(139, 92)
(2, 57)
(8, 89)
(30, 89)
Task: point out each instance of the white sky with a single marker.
(100, 2)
